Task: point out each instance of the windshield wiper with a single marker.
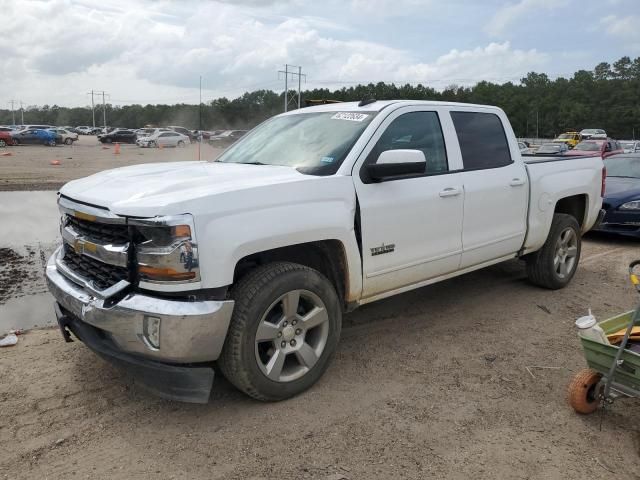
(622, 176)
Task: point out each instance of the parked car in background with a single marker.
(183, 131)
(571, 139)
(207, 134)
(35, 127)
(524, 148)
(597, 148)
(34, 137)
(120, 135)
(622, 196)
(65, 135)
(6, 138)
(84, 130)
(632, 146)
(226, 138)
(552, 149)
(164, 139)
(6, 129)
(595, 133)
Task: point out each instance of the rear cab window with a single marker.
(483, 141)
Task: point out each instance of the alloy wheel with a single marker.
(566, 251)
(291, 336)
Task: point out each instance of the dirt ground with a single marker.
(28, 167)
(429, 384)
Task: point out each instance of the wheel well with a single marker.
(326, 256)
(574, 206)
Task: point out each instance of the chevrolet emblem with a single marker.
(81, 246)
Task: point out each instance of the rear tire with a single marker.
(582, 392)
(181, 144)
(2, 143)
(554, 265)
(68, 141)
(284, 330)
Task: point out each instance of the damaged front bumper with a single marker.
(170, 364)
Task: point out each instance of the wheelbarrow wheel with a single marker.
(582, 393)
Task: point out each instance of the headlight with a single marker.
(167, 252)
(633, 205)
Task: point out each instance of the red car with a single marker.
(597, 148)
(5, 139)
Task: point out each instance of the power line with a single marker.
(13, 115)
(287, 96)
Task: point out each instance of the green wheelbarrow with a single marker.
(614, 369)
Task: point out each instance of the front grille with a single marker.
(102, 233)
(101, 274)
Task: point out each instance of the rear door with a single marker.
(410, 226)
(496, 192)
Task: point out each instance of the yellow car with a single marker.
(570, 138)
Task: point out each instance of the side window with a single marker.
(483, 142)
(415, 131)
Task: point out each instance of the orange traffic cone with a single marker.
(117, 149)
(54, 162)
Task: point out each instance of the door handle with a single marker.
(450, 192)
(516, 182)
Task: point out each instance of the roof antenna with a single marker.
(364, 102)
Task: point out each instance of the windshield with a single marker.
(566, 136)
(588, 146)
(315, 143)
(623, 166)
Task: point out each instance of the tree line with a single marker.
(607, 97)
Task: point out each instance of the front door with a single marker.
(411, 226)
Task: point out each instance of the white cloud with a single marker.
(156, 51)
(512, 13)
(625, 27)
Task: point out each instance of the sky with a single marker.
(145, 51)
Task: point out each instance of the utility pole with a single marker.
(21, 113)
(93, 109)
(13, 115)
(104, 111)
(537, 132)
(288, 98)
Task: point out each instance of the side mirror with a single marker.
(393, 163)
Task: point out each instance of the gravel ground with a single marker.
(28, 167)
(429, 384)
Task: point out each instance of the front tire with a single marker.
(555, 264)
(284, 330)
(180, 144)
(68, 141)
(2, 143)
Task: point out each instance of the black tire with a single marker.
(2, 143)
(254, 295)
(68, 141)
(107, 140)
(152, 144)
(180, 144)
(16, 142)
(541, 268)
(51, 143)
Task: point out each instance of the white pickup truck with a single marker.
(250, 261)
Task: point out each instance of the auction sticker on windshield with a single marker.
(354, 117)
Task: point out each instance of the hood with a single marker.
(620, 189)
(169, 188)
